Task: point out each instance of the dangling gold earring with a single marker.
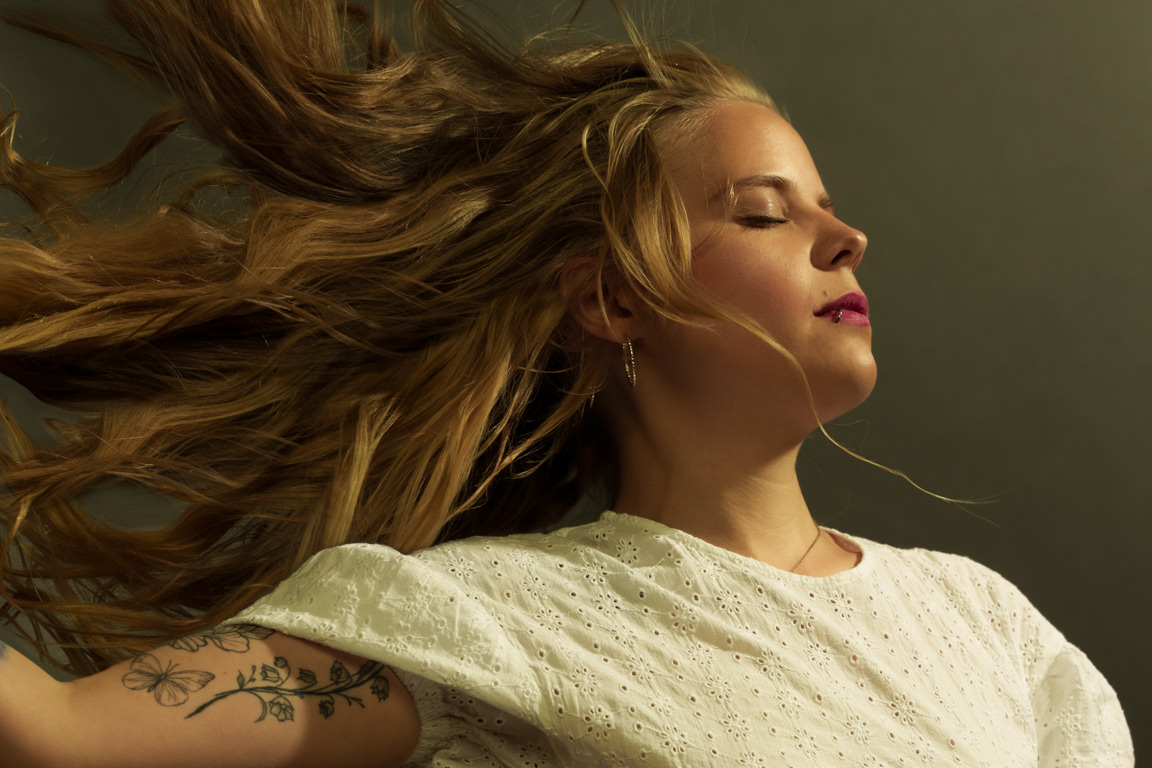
(629, 361)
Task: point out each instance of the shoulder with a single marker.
(359, 567)
(477, 583)
(1076, 710)
(591, 545)
(959, 589)
(943, 571)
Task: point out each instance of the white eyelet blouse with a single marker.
(627, 643)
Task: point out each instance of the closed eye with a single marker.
(762, 222)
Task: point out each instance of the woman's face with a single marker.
(778, 254)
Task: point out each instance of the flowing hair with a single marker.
(376, 347)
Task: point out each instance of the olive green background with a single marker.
(999, 155)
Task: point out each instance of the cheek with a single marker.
(769, 292)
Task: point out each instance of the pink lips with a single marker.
(849, 309)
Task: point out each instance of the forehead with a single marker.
(740, 140)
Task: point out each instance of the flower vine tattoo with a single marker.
(233, 638)
(270, 688)
(271, 684)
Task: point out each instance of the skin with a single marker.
(708, 439)
(222, 698)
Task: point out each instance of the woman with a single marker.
(462, 286)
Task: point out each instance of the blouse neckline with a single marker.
(865, 550)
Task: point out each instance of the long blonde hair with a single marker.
(375, 349)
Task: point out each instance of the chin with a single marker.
(849, 392)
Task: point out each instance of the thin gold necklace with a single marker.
(811, 546)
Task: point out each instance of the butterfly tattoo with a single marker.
(170, 685)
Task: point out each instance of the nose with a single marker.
(845, 246)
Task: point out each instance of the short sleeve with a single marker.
(434, 711)
(1076, 713)
(374, 602)
(1079, 721)
(475, 689)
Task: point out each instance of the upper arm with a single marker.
(239, 696)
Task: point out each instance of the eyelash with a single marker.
(762, 222)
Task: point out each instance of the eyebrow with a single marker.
(772, 181)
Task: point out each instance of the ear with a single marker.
(601, 302)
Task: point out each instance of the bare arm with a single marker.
(231, 696)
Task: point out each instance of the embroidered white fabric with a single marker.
(627, 643)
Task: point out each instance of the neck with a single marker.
(707, 474)
(752, 507)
